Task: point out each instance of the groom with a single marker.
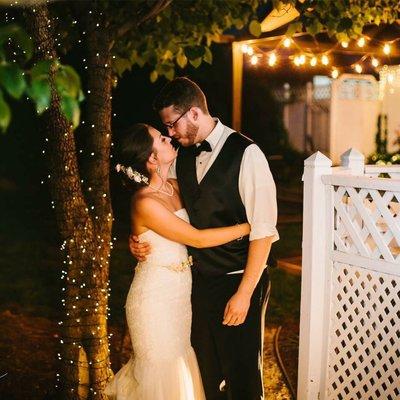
(224, 179)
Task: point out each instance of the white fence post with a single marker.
(353, 160)
(314, 264)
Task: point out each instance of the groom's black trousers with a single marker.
(230, 354)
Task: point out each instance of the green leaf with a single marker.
(315, 27)
(12, 79)
(196, 63)
(5, 113)
(181, 60)
(71, 110)
(255, 28)
(170, 74)
(40, 92)
(153, 76)
(67, 81)
(21, 38)
(120, 65)
(194, 52)
(344, 24)
(208, 57)
(293, 28)
(41, 69)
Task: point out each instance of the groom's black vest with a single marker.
(215, 202)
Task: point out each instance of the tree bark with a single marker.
(86, 239)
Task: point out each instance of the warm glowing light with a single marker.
(361, 42)
(390, 78)
(374, 62)
(302, 59)
(254, 60)
(358, 68)
(345, 44)
(296, 61)
(250, 51)
(386, 48)
(272, 59)
(325, 59)
(313, 61)
(287, 42)
(334, 73)
(244, 48)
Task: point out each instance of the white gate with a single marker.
(350, 305)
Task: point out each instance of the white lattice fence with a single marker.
(350, 307)
(364, 335)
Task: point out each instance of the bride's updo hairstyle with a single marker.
(134, 151)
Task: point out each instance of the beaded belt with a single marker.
(182, 266)
(179, 267)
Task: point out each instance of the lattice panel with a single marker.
(364, 338)
(367, 223)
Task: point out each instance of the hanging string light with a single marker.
(287, 42)
(387, 48)
(272, 59)
(358, 68)
(374, 62)
(361, 42)
(304, 55)
(325, 59)
(313, 61)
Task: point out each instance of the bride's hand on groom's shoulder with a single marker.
(236, 309)
(139, 250)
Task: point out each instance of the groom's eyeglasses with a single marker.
(171, 125)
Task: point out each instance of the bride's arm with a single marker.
(153, 215)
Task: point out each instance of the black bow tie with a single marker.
(204, 146)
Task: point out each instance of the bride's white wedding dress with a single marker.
(158, 311)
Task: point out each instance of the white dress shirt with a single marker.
(256, 184)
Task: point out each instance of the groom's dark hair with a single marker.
(181, 93)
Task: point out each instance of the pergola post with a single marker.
(237, 79)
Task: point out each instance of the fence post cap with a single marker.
(318, 160)
(351, 154)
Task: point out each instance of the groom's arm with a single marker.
(258, 193)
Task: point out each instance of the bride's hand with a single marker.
(139, 250)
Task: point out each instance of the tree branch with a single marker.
(158, 7)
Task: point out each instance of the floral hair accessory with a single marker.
(132, 174)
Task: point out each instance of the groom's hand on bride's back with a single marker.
(139, 250)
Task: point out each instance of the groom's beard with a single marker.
(191, 134)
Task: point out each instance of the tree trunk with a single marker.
(86, 238)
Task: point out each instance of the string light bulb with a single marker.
(244, 48)
(296, 61)
(250, 51)
(361, 42)
(374, 62)
(334, 73)
(287, 42)
(313, 61)
(254, 60)
(272, 59)
(358, 68)
(325, 59)
(345, 44)
(386, 48)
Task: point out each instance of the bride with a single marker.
(158, 310)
